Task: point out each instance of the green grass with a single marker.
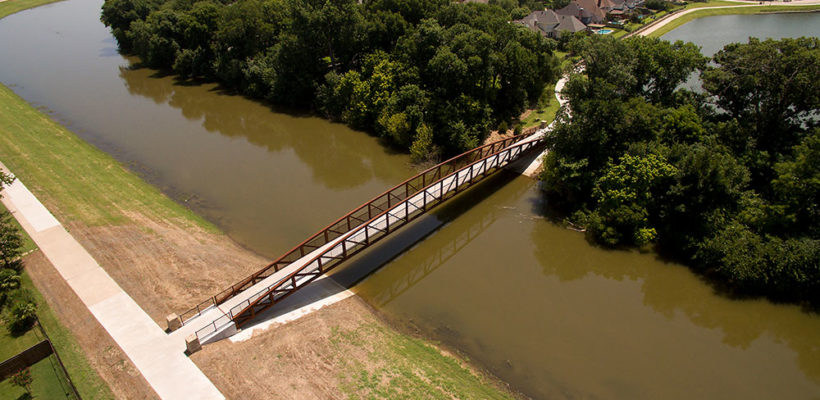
(12, 6)
(546, 114)
(47, 379)
(75, 180)
(402, 367)
(707, 12)
(48, 382)
(710, 3)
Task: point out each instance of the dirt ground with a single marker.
(100, 349)
(164, 267)
(345, 350)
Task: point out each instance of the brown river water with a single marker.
(529, 301)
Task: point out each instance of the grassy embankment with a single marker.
(81, 183)
(47, 379)
(413, 368)
(707, 12)
(633, 26)
(13, 6)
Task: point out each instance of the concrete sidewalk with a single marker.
(158, 357)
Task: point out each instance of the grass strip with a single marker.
(9, 7)
(403, 367)
(75, 180)
(546, 114)
(709, 12)
(47, 382)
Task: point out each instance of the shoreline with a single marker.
(671, 21)
(122, 220)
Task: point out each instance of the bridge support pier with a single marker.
(192, 344)
(173, 321)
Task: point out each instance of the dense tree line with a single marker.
(727, 179)
(427, 75)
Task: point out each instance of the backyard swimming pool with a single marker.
(604, 31)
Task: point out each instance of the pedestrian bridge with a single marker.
(223, 314)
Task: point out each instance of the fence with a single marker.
(390, 219)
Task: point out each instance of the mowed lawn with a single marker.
(76, 181)
(16, 118)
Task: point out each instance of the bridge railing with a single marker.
(376, 228)
(355, 218)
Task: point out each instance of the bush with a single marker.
(657, 5)
(9, 282)
(422, 148)
(21, 317)
(503, 127)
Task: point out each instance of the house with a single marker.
(550, 24)
(587, 11)
(570, 24)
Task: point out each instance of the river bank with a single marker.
(168, 258)
(672, 21)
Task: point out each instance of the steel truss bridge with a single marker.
(222, 314)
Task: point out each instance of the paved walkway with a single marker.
(534, 167)
(159, 358)
(216, 323)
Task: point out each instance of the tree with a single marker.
(770, 88)
(797, 186)
(10, 240)
(422, 148)
(10, 243)
(23, 379)
(625, 196)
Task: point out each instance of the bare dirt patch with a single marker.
(101, 351)
(341, 351)
(164, 267)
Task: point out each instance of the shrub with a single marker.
(22, 313)
(503, 127)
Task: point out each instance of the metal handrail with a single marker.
(355, 218)
(270, 292)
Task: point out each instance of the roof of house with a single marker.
(583, 9)
(607, 5)
(591, 6)
(570, 24)
(543, 21)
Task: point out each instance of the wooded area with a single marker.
(429, 75)
(726, 180)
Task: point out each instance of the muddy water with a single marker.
(558, 318)
(712, 33)
(531, 301)
(269, 179)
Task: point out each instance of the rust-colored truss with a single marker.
(363, 217)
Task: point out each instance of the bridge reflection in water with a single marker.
(403, 280)
(221, 315)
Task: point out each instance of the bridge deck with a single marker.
(221, 320)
